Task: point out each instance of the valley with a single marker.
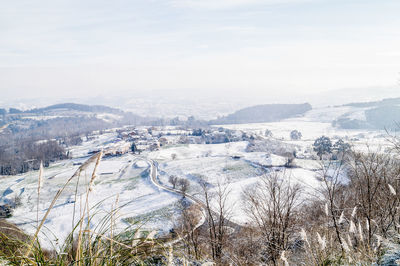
(233, 155)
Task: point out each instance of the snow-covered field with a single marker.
(316, 123)
(125, 176)
(128, 176)
(215, 164)
(230, 163)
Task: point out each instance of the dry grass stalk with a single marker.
(77, 172)
(303, 235)
(86, 211)
(341, 218)
(78, 248)
(345, 245)
(91, 184)
(352, 228)
(40, 183)
(321, 241)
(170, 255)
(284, 259)
(392, 190)
(136, 238)
(112, 222)
(354, 212)
(360, 232)
(326, 209)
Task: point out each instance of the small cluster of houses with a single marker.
(114, 149)
(153, 138)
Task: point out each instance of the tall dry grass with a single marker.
(86, 244)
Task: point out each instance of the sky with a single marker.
(69, 48)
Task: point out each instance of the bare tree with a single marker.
(188, 223)
(290, 157)
(218, 219)
(183, 185)
(272, 206)
(361, 202)
(374, 182)
(330, 174)
(173, 180)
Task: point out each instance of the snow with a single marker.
(190, 151)
(125, 176)
(109, 117)
(261, 158)
(325, 114)
(357, 115)
(128, 176)
(141, 163)
(214, 164)
(44, 117)
(281, 130)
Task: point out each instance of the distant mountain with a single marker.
(264, 113)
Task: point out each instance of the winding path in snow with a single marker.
(154, 180)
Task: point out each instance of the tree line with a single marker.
(25, 143)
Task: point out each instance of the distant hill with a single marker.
(384, 102)
(77, 107)
(264, 113)
(375, 115)
(93, 117)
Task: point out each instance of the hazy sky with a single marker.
(76, 48)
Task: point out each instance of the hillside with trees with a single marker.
(264, 113)
(377, 115)
(77, 107)
(44, 134)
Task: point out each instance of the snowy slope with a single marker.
(125, 176)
